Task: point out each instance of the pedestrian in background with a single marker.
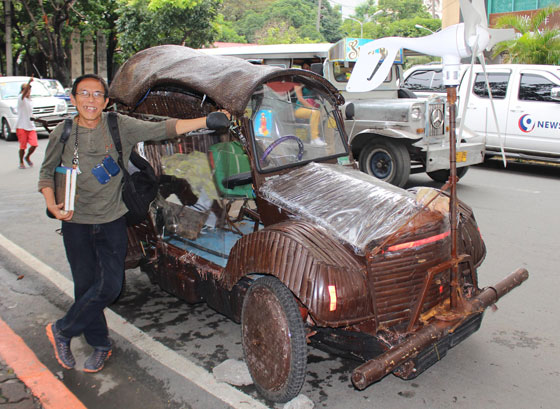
(25, 128)
(95, 233)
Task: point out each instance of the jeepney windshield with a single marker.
(293, 124)
(343, 70)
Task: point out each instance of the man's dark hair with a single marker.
(95, 77)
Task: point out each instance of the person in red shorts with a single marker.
(25, 128)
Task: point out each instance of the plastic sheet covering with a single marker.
(353, 206)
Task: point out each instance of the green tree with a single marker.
(279, 33)
(391, 18)
(40, 29)
(394, 10)
(94, 15)
(274, 19)
(535, 45)
(147, 23)
(41, 36)
(236, 9)
(226, 32)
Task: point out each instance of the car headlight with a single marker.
(416, 114)
(14, 110)
(61, 107)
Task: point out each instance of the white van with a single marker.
(526, 102)
(44, 104)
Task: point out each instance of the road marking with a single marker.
(166, 356)
(52, 393)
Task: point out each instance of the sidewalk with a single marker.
(27, 377)
(13, 392)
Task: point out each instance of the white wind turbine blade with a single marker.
(367, 74)
(480, 9)
(468, 94)
(471, 18)
(497, 35)
(493, 110)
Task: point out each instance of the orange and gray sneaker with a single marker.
(61, 346)
(96, 360)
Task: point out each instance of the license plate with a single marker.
(461, 156)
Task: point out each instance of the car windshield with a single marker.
(293, 124)
(11, 89)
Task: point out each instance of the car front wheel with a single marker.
(386, 160)
(6, 132)
(273, 337)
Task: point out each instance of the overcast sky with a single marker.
(347, 5)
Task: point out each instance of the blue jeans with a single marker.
(96, 254)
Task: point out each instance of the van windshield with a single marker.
(293, 124)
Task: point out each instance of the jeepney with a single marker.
(391, 132)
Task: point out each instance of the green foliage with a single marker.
(236, 9)
(147, 23)
(280, 33)
(391, 18)
(535, 45)
(226, 31)
(271, 20)
(400, 28)
(402, 9)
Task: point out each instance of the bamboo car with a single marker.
(286, 236)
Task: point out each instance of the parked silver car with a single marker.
(44, 104)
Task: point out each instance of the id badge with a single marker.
(101, 174)
(111, 166)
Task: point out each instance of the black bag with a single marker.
(140, 188)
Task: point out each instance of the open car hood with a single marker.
(356, 208)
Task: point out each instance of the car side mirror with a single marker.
(555, 93)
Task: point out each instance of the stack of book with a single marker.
(65, 186)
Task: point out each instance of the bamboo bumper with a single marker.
(377, 368)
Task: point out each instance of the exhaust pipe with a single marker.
(375, 369)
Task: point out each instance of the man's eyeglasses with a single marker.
(87, 94)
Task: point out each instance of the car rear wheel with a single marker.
(386, 160)
(442, 175)
(273, 337)
(6, 131)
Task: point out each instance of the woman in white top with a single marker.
(25, 128)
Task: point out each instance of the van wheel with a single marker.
(442, 175)
(273, 337)
(386, 160)
(6, 132)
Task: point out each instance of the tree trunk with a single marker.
(8, 36)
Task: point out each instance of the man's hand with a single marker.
(60, 214)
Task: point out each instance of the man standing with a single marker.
(25, 128)
(94, 234)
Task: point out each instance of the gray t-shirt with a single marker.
(98, 203)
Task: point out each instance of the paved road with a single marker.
(512, 362)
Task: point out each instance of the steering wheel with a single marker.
(279, 141)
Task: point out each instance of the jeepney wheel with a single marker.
(273, 337)
(442, 175)
(386, 160)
